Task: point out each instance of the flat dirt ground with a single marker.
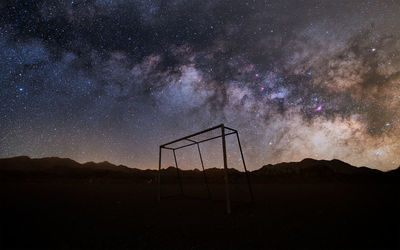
(127, 216)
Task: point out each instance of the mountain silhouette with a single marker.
(23, 167)
(315, 167)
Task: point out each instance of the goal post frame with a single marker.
(192, 142)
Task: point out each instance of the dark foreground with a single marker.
(126, 216)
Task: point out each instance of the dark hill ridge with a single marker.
(395, 171)
(315, 167)
(323, 170)
(23, 167)
(37, 164)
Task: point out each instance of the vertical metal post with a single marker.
(228, 201)
(245, 169)
(178, 173)
(204, 172)
(159, 176)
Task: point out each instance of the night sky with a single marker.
(112, 80)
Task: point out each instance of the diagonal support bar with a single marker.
(204, 172)
(178, 173)
(245, 169)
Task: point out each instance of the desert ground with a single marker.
(124, 215)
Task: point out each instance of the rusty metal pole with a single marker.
(228, 201)
(159, 176)
(245, 169)
(178, 173)
(204, 172)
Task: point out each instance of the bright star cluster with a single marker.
(111, 80)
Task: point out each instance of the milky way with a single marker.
(111, 80)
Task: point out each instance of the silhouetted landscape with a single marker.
(59, 203)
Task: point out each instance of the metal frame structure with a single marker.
(192, 142)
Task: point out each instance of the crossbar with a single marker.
(193, 135)
(197, 142)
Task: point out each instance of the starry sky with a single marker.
(113, 79)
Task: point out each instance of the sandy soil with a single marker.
(128, 216)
